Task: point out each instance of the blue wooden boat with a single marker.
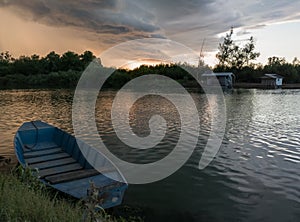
(62, 165)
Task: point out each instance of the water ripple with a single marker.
(254, 177)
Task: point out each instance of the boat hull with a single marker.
(60, 164)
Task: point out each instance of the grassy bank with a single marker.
(23, 199)
(18, 202)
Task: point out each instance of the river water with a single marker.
(254, 177)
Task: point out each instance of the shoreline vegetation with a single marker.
(69, 80)
(24, 198)
(244, 85)
(64, 71)
(20, 202)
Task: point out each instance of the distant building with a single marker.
(225, 79)
(272, 81)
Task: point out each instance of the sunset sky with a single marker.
(41, 26)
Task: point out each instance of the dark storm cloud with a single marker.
(191, 21)
(99, 16)
(186, 21)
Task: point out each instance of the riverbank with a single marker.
(23, 201)
(243, 85)
(18, 202)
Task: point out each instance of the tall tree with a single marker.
(296, 62)
(226, 50)
(70, 61)
(52, 61)
(86, 58)
(5, 58)
(233, 56)
(5, 63)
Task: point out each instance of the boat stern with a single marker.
(107, 196)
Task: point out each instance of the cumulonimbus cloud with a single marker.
(99, 16)
(186, 21)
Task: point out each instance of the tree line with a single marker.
(53, 70)
(53, 62)
(64, 71)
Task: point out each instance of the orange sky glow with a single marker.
(39, 27)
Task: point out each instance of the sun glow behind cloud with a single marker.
(37, 26)
(136, 64)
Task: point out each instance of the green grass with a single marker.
(18, 202)
(24, 198)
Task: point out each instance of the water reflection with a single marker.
(139, 116)
(255, 176)
(18, 106)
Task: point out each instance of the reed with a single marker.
(24, 198)
(18, 202)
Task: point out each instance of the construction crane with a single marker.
(201, 55)
(201, 61)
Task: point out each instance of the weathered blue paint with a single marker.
(56, 154)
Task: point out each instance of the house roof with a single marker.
(272, 76)
(218, 74)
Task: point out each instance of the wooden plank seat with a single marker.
(76, 175)
(70, 176)
(59, 169)
(47, 158)
(52, 163)
(39, 146)
(38, 153)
